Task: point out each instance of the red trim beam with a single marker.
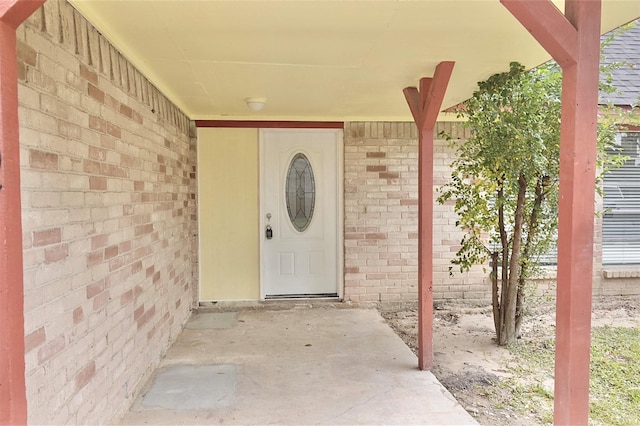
(259, 124)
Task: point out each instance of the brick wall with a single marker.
(381, 209)
(108, 178)
(381, 217)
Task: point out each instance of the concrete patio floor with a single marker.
(299, 365)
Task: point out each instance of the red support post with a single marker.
(574, 41)
(575, 237)
(13, 406)
(425, 248)
(425, 106)
(13, 403)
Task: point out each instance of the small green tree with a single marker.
(505, 182)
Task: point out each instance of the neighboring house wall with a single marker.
(608, 280)
(621, 275)
(381, 216)
(109, 225)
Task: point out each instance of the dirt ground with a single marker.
(469, 363)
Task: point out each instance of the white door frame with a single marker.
(339, 202)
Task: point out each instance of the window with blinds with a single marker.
(621, 218)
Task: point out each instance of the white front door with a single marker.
(300, 211)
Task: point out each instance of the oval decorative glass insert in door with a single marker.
(300, 192)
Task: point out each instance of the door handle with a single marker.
(268, 231)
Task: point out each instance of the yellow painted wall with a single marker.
(228, 214)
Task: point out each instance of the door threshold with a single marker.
(327, 296)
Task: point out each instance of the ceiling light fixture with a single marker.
(255, 104)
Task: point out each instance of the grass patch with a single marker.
(615, 378)
(530, 388)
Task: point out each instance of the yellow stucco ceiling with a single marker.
(316, 60)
